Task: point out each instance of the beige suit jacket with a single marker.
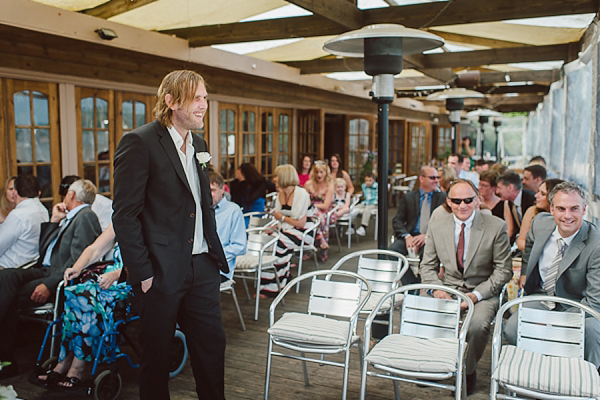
(488, 264)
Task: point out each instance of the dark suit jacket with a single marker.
(579, 271)
(408, 211)
(527, 200)
(488, 263)
(154, 210)
(79, 234)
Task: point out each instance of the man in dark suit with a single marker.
(562, 258)
(510, 187)
(475, 253)
(411, 220)
(72, 227)
(165, 225)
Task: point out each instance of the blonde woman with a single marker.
(321, 191)
(8, 200)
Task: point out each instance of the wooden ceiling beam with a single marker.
(497, 100)
(115, 7)
(536, 88)
(474, 40)
(414, 16)
(339, 11)
(543, 76)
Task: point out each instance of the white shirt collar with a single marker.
(177, 139)
(468, 222)
(556, 235)
(518, 198)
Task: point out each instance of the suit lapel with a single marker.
(204, 182)
(477, 230)
(538, 247)
(167, 143)
(574, 249)
(448, 240)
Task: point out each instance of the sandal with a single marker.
(52, 378)
(76, 384)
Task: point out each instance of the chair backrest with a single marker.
(334, 298)
(259, 240)
(259, 219)
(428, 317)
(553, 333)
(410, 181)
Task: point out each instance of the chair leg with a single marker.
(461, 384)
(346, 368)
(268, 373)
(305, 371)
(348, 232)
(300, 257)
(237, 308)
(493, 389)
(246, 287)
(337, 235)
(256, 303)
(376, 227)
(396, 390)
(363, 379)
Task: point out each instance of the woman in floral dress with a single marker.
(89, 312)
(321, 191)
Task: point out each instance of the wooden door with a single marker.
(311, 134)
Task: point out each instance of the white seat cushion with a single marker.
(416, 354)
(249, 261)
(311, 329)
(547, 374)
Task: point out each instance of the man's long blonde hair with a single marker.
(182, 86)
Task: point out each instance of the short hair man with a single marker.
(533, 175)
(562, 258)
(20, 232)
(102, 205)
(231, 227)
(475, 252)
(73, 226)
(481, 166)
(456, 161)
(412, 219)
(511, 189)
(165, 224)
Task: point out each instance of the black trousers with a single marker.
(197, 309)
(16, 287)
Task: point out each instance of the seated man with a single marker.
(562, 258)
(412, 219)
(533, 175)
(102, 205)
(20, 232)
(474, 250)
(231, 227)
(60, 246)
(456, 161)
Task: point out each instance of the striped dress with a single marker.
(290, 240)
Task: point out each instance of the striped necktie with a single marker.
(550, 280)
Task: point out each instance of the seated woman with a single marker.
(88, 313)
(249, 189)
(291, 208)
(304, 173)
(8, 200)
(320, 188)
(338, 172)
(541, 205)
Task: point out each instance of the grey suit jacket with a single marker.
(579, 271)
(488, 263)
(79, 234)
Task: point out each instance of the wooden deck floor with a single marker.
(246, 359)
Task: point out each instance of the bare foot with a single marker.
(74, 375)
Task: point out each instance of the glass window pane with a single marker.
(22, 112)
(270, 143)
(87, 112)
(140, 113)
(44, 175)
(251, 139)
(89, 147)
(353, 143)
(252, 122)
(89, 172)
(42, 145)
(353, 127)
(223, 167)
(103, 145)
(223, 144)
(40, 109)
(231, 145)
(230, 120)
(270, 123)
(245, 121)
(245, 144)
(24, 150)
(101, 113)
(364, 127)
(222, 120)
(127, 111)
(284, 121)
(104, 178)
(24, 169)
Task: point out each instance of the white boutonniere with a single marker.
(203, 157)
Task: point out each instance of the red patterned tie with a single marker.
(460, 249)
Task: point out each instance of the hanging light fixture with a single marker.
(382, 47)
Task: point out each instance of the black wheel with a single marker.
(179, 354)
(107, 385)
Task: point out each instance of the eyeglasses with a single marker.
(433, 178)
(468, 200)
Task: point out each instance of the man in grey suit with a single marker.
(575, 272)
(72, 227)
(474, 251)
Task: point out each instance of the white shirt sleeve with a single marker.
(10, 230)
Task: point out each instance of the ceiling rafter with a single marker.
(413, 16)
(115, 7)
(341, 12)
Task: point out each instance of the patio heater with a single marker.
(483, 115)
(497, 124)
(382, 47)
(455, 103)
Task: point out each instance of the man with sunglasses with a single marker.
(412, 219)
(475, 253)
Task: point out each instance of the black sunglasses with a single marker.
(433, 178)
(468, 200)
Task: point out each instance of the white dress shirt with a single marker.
(191, 172)
(517, 203)
(20, 233)
(102, 206)
(550, 251)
